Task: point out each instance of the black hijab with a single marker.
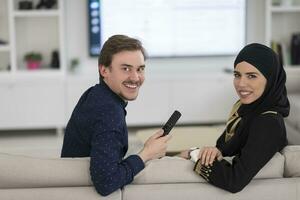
(274, 97)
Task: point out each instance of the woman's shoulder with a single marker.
(268, 118)
(269, 122)
(271, 116)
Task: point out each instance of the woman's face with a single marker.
(249, 83)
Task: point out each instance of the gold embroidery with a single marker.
(270, 111)
(233, 121)
(202, 170)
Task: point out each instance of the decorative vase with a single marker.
(31, 65)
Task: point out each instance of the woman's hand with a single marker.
(207, 155)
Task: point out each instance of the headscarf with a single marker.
(274, 97)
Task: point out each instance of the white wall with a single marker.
(195, 85)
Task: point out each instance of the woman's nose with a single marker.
(242, 82)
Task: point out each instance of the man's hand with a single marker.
(207, 155)
(155, 146)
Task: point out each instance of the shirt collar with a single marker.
(114, 95)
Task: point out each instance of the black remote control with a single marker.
(171, 122)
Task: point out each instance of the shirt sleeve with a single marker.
(266, 137)
(109, 171)
(108, 168)
(231, 147)
(221, 143)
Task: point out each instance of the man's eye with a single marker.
(141, 69)
(126, 69)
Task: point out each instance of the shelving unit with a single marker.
(28, 31)
(285, 9)
(281, 22)
(31, 98)
(37, 13)
(5, 58)
(4, 48)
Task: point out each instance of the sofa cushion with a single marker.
(26, 172)
(178, 170)
(294, 117)
(292, 134)
(273, 169)
(292, 161)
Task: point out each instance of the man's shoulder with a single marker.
(97, 99)
(94, 96)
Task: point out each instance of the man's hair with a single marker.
(116, 44)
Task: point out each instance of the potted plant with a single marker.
(33, 60)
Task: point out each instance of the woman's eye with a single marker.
(236, 75)
(251, 76)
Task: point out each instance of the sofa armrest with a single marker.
(27, 172)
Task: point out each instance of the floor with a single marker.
(45, 143)
(48, 143)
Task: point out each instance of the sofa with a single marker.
(293, 120)
(34, 178)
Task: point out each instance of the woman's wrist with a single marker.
(193, 154)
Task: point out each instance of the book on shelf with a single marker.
(295, 49)
(281, 50)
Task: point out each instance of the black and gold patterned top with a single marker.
(252, 148)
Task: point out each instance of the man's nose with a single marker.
(134, 76)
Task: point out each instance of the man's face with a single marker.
(125, 75)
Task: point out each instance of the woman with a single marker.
(255, 130)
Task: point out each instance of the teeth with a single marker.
(245, 93)
(131, 86)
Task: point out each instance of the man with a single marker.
(97, 127)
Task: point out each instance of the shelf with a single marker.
(5, 77)
(292, 67)
(285, 9)
(37, 13)
(39, 73)
(5, 48)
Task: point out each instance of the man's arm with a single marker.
(108, 171)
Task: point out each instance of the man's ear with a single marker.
(103, 70)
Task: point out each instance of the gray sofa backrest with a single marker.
(28, 172)
(178, 170)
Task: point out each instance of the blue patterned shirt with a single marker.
(97, 128)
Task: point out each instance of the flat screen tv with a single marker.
(171, 28)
